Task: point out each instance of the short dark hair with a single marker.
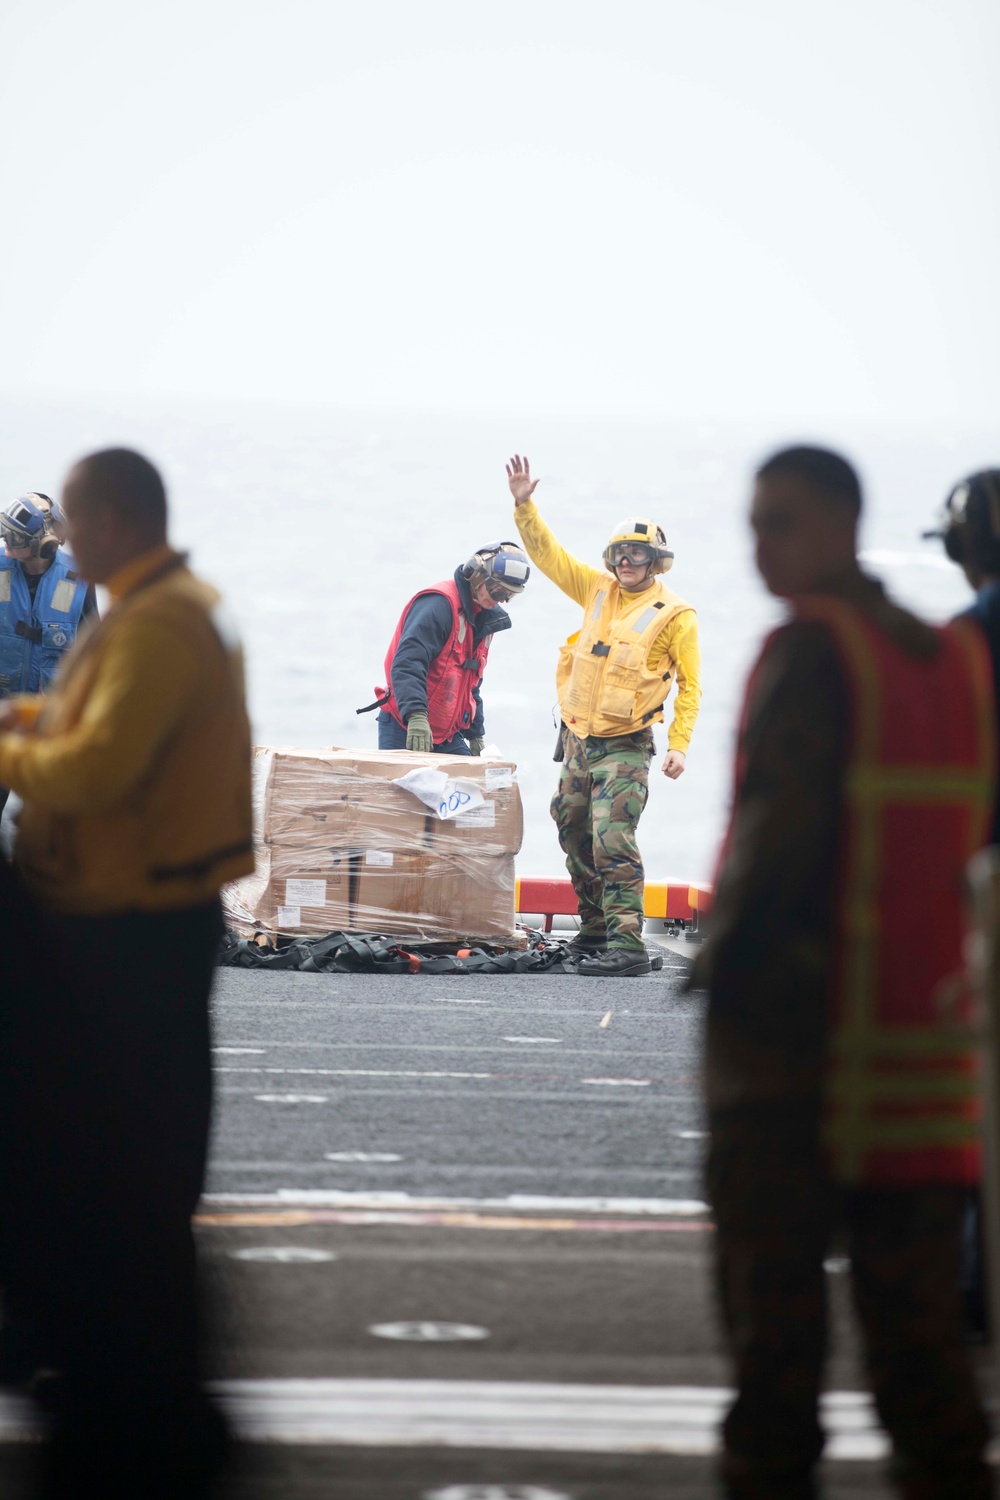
(825, 470)
(131, 484)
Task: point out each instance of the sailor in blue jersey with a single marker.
(42, 598)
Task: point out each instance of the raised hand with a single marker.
(522, 486)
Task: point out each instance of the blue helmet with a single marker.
(502, 566)
(24, 524)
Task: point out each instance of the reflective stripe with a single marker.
(916, 784)
(918, 1131)
(645, 620)
(916, 1041)
(598, 604)
(917, 1088)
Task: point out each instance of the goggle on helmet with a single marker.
(24, 524)
(502, 566)
(639, 540)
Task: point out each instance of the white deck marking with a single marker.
(531, 1416)
(292, 1098)
(538, 1040)
(692, 1135)
(515, 1203)
(358, 1072)
(429, 1333)
(259, 1051)
(361, 1156)
(283, 1254)
(494, 1492)
(621, 1083)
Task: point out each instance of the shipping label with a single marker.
(305, 892)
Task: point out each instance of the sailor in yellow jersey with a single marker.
(613, 679)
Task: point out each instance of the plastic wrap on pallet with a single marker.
(340, 846)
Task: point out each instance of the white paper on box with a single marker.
(498, 777)
(446, 796)
(289, 916)
(305, 892)
(483, 816)
(380, 857)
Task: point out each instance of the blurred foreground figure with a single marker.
(970, 530)
(842, 1070)
(134, 771)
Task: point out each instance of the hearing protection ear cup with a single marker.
(49, 548)
(954, 544)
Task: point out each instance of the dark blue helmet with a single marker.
(24, 524)
(502, 566)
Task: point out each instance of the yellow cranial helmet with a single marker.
(641, 540)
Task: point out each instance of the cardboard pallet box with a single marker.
(438, 897)
(340, 846)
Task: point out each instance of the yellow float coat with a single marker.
(135, 770)
(624, 688)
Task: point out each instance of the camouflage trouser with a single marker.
(598, 802)
(775, 1212)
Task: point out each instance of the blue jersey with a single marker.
(36, 632)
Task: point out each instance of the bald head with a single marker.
(116, 509)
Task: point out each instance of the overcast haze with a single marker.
(724, 209)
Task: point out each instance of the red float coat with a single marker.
(456, 670)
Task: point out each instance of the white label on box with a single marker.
(379, 857)
(446, 796)
(305, 892)
(498, 777)
(483, 816)
(289, 916)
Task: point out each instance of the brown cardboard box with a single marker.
(437, 899)
(308, 890)
(340, 847)
(330, 798)
(497, 827)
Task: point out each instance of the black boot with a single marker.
(585, 946)
(617, 963)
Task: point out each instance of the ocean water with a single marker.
(318, 525)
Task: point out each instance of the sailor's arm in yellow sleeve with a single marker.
(569, 574)
(678, 643)
(146, 675)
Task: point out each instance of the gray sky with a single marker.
(753, 208)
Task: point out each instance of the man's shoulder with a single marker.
(795, 653)
(435, 602)
(675, 603)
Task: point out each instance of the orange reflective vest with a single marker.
(902, 1105)
(902, 1098)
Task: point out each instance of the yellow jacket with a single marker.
(135, 767)
(625, 688)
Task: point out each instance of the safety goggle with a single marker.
(635, 553)
(13, 536)
(499, 592)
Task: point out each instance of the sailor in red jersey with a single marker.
(437, 656)
(841, 1062)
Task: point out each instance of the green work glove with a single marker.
(475, 743)
(418, 734)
